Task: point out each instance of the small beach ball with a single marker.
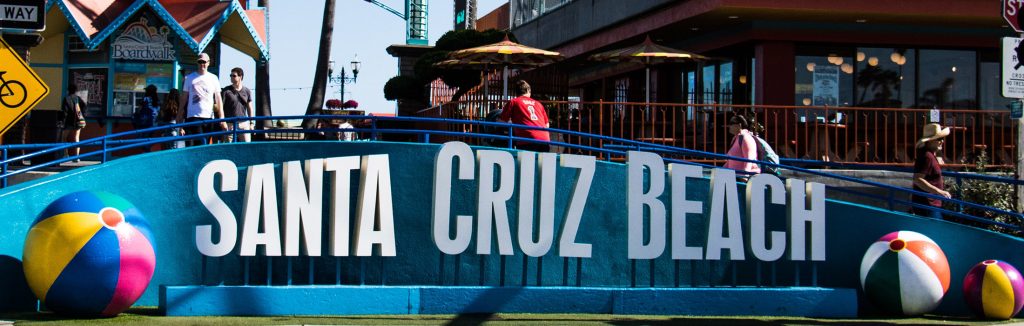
(994, 289)
(905, 272)
(89, 253)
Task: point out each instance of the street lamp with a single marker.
(341, 78)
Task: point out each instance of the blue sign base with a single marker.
(402, 300)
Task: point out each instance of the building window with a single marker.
(725, 83)
(620, 96)
(824, 80)
(990, 84)
(78, 53)
(947, 79)
(885, 77)
(75, 44)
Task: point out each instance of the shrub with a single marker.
(988, 193)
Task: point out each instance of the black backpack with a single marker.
(145, 115)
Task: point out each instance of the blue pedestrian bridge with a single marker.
(419, 216)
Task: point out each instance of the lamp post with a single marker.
(341, 78)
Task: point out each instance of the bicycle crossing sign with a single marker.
(20, 87)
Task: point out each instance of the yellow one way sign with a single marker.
(20, 87)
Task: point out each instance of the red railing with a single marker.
(878, 136)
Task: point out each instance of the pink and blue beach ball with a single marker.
(994, 289)
(905, 272)
(89, 253)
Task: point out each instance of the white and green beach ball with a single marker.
(905, 272)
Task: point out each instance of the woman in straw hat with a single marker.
(927, 170)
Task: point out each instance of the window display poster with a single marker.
(123, 104)
(92, 87)
(125, 81)
(131, 76)
(160, 75)
(826, 85)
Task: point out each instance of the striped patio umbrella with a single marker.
(647, 53)
(505, 53)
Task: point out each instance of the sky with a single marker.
(360, 28)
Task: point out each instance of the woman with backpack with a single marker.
(72, 120)
(743, 146)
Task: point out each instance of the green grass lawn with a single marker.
(150, 316)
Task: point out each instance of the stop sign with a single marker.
(1011, 12)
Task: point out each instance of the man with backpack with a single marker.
(145, 114)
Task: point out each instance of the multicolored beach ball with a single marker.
(89, 253)
(905, 272)
(994, 289)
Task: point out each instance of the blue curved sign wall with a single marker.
(426, 216)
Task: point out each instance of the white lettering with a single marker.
(375, 208)
(802, 195)
(260, 191)
(678, 173)
(756, 187)
(341, 175)
(637, 198)
(545, 221)
(441, 218)
(220, 211)
(494, 200)
(725, 208)
(567, 245)
(303, 204)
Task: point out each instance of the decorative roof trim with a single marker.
(196, 47)
(264, 50)
(95, 42)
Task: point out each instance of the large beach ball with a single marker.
(905, 272)
(89, 253)
(994, 289)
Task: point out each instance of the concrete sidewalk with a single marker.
(45, 171)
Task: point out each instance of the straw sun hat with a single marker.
(932, 131)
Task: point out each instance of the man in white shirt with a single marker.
(200, 98)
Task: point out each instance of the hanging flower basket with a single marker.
(334, 104)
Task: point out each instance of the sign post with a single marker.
(1011, 13)
(20, 87)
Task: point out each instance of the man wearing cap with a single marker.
(200, 96)
(928, 172)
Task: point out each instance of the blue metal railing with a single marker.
(609, 147)
(453, 271)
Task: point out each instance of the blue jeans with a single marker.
(932, 213)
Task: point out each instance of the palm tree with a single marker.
(316, 97)
(263, 81)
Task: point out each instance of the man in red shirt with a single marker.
(928, 172)
(527, 111)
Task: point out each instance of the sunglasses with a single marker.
(234, 75)
(202, 62)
